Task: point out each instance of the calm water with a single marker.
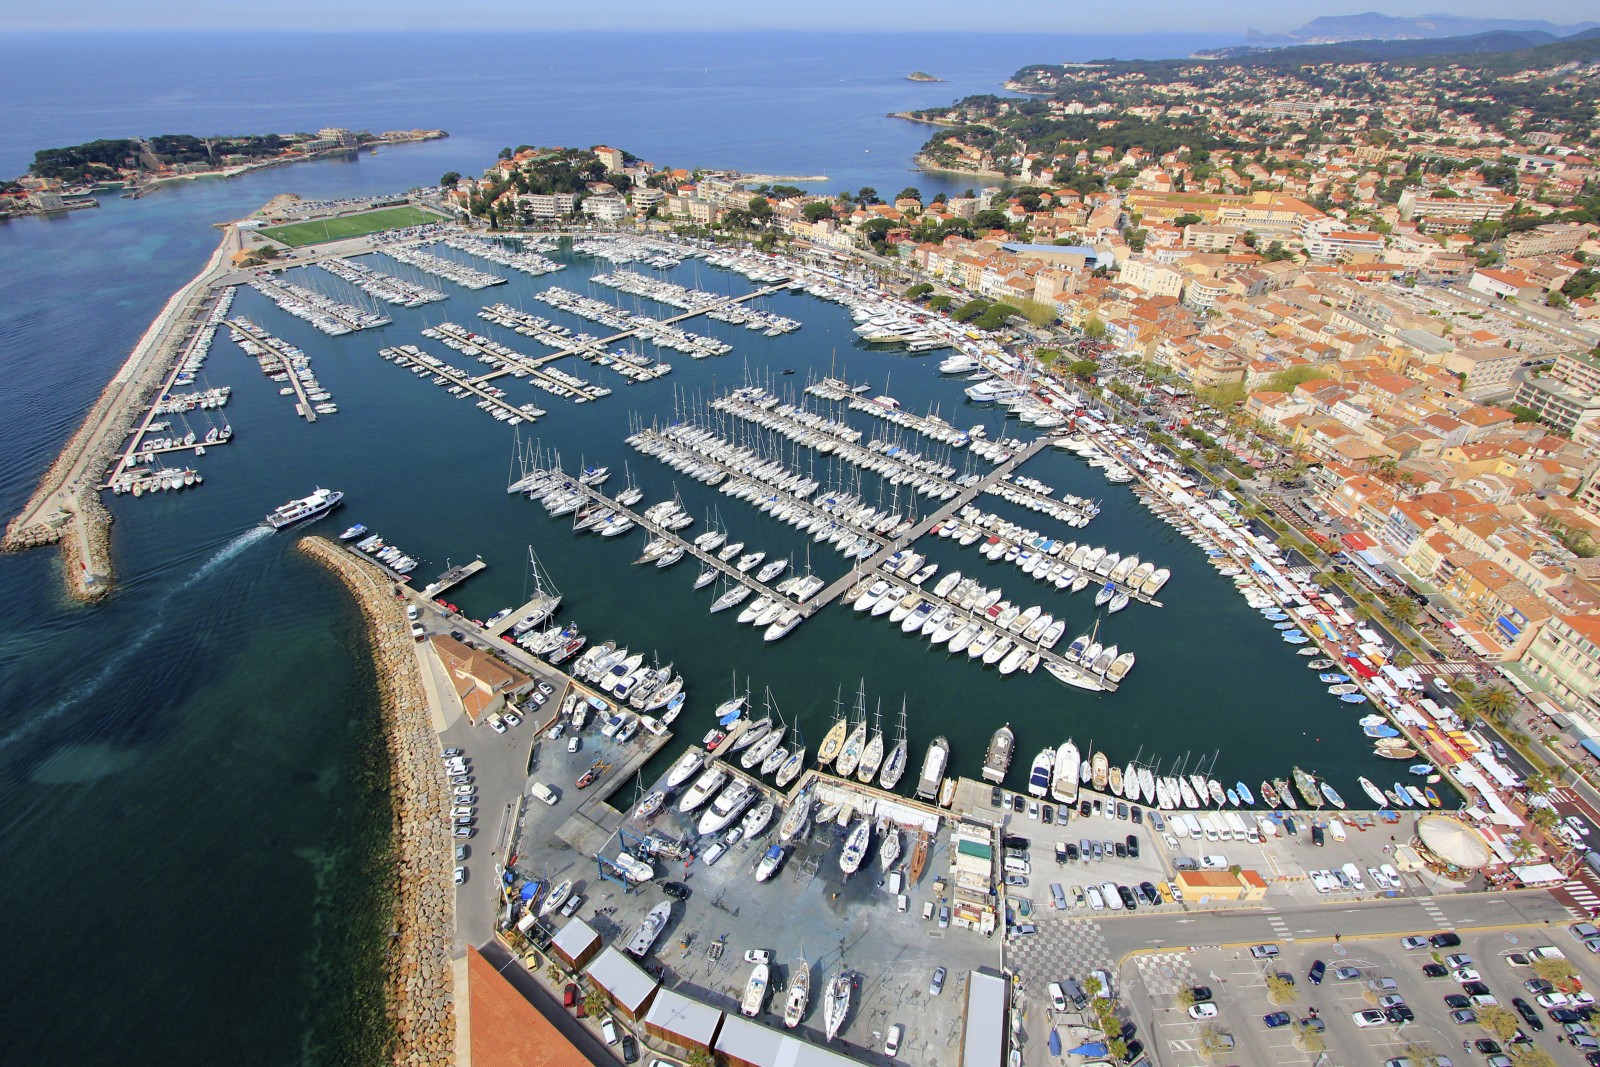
(190, 790)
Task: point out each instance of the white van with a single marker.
(1113, 898)
(540, 791)
(1017, 866)
(1194, 827)
(1352, 872)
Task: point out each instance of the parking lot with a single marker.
(1353, 982)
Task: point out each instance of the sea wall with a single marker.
(419, 982)
(66, 506)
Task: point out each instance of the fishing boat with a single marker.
(1372, 791)
(649, 930)
(894, 767)
(1039, 773)
(1269, 795)
(998, 758)
(770, 862)
(755, 992)
(1394, 748)
(1354, 698)
(856, 844)
(1433, 797)
(1421, 769)
(1114, 781)
(1285, 794)
(1099, 771)
(1398, 796)
(1307, 785)
(1418, 797)
(794, 1008)
(1343, 689)
(836, 1004)
(1331, 796)
(933, 767)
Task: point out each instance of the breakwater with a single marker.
(66, 506)
(419, 983)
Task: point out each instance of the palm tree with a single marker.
(1522, 848)
(1543, 817)
(1496, 702)
(1538, 782)
(594, 1002)
(1401, 608)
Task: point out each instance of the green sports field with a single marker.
(296, 234)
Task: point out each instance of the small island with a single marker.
(61, 179)
(920, 76)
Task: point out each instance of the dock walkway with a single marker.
(450, 578)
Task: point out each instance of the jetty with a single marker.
(451, 578)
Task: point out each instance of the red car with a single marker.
(569, 996)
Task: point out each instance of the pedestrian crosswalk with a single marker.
(1431, 906)
(1279, 926)
(1583, 896)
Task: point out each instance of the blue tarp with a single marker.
(1055, 1042)
(1093, 1048)
(1590, 747)
(529, 890)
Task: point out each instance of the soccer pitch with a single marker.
(296, 234)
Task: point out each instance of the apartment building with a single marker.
(1566, 658)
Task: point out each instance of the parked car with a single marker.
(1367, 1018)
(1347, 974)
(1203, 1010)
(1264, 952)
(608, 1030)
(1277, 1019)
(1318, 969)
(936, 985)
(891, 1044)
(630, 1049)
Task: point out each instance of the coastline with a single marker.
(418, 986)
(912, 116)
(924, 163)
(66, 507)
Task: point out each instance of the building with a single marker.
(549, 205)
(645, 198)
(626, 985)
(611, 157)
(47, 200)
(1550, 239)
(1200, 886)
(340, 136)
(1487, 369)
(1447, 214)
(1504, 284)
(1580, 371)
(742, 1043)
(481, 682)
(576, 944)
(1558, 405)
(1151, 278)
(1565, 657)
(609, 208)
(984, 1018)
(504, 1029)
(681, 1022)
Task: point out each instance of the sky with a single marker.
(1131, 16)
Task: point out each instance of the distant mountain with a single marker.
(1375, 26)
(1524, 49)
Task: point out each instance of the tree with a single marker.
(817, 210)
(1538, 783)
(910, 192)
(1083, 369)
(1543, 817)
(1554, 969)
(1309, 1038)
(970, 310)
(868, 195)
(1213, 1042)
(918, 291)
(506, 153)
(1401, 608)
(1522, 849)
(1280, 991)
(1531, 1056)
(595, 1002)
(990, 219)
(1498, 1021)
(1095, 328)
(940, 302)
(699, 1058)
(1185, 999)
(1186, 219)
(760, 209)
(450, 179)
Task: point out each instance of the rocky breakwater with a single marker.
(420, 1001)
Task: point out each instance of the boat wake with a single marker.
(136, 645)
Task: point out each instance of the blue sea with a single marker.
(192, 789)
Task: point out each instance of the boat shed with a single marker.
(576, 943)
(681, 1022)
(743, 1043)
(624, 983)
(983, 1021)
